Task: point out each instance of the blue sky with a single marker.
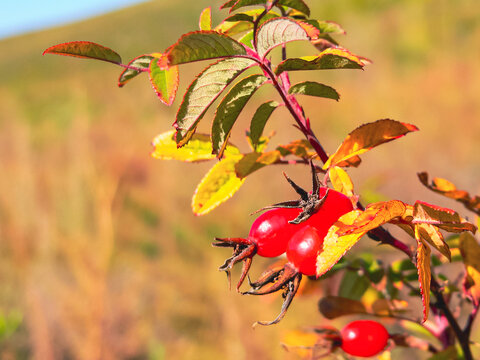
(29, 15)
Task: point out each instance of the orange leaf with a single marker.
(334, 245)
(367, 137)
(443, 218)
(424, 273)
(470, 251)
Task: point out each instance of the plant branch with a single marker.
(471, 318)
(259, 17)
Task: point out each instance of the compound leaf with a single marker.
(314, 89)
(203, 91)
(218, 185)
(205, 21)
(199, 148)
(203, 45)
(85, 50)
(331, 58)
(368, 136)
(279, 31)
(424, 274)
(136, 66)
(259, 121)
(164, 79)
(334, 245)
(230, 108)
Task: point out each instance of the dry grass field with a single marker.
(100, 254)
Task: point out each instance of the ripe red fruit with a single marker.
(303, 248)
(271, 231)
(364, 338)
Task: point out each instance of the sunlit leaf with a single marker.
(204, 45)
(335, 246)
(299, 5)
(279, 31)
(259, 120)
(314, 89)
(424, 273)
(205, 21)
(375, 215)
(136, 66)
(301, 148)
(341, 181)
(300, 343)
(448, 189)
(218, 185)
(234, 27)
(247, 39)
(368, 136)
(85, 50)
(254, 161)
(444, 218)
(332, 307)
(434, 237)
(199, 148)
(331, 58)
(203, 91)
(164, 79)
(470, 251)
(230, 108)
(326, 27)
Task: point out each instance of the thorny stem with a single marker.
(379, 234)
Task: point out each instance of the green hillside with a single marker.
(100, 255)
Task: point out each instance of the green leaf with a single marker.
(314, 89)
(198, 149)
(202, 93)
(218, 185)
(242, 3)
(259, 120)
(164, 80)
(230, 108)
(326, 27)
(353, 286)
(85, 50)
(294, 4)
(447, 354)
(278, 31)
(255, 161)
(299, 5)
(332, 307)
(331, 58)
(205, 22)
(247, 39)
(204, 45)
(142, 63)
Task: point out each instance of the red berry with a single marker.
(364, 338)
(271, 231)
(303, 248)
(336, 204)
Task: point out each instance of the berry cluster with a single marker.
(296, 228)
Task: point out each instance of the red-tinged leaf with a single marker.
(301, 148)
(424, 273)
(326, 27)
(448, 189)
(443, 218)
(368, 136)
(136, 66)
(230, 108)
(375, 215)
(314, 89)
(228, 4)
(218, 185)
(164, 79)
(279, 31)
(299, 5)
(331, 58)
(204, 45)
(255, 161)
(335, 246)
(470, 251)
(341, 181)
(259, 121)
(198, 149)
(203, 91)
(434, 237)
(332, 307)
(85, 50)
(205, 21)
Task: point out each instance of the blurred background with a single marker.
(100, 254)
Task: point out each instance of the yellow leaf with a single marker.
(300, 343)
(198, 149)
(367, 137)
(218, 185)
(434, 237)
(205, 22)
(341, 181)
(470, 251)
(335, 246)
(444, 218)
(424, 273)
